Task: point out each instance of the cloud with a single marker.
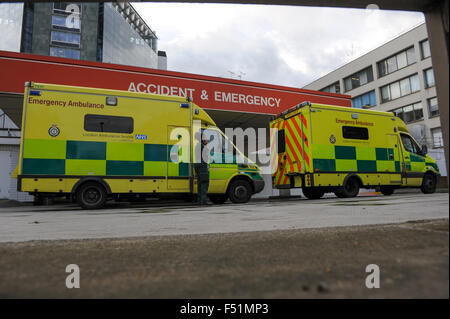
(284, 45)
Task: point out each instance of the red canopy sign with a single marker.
(206, 91)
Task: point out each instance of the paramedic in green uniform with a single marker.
(202, 169)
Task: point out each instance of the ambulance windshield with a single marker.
(222, 149)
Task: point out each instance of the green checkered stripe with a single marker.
(54, 157)
(336, 158)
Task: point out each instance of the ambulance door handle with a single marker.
(406, 157)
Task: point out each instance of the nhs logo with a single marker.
(141, 137)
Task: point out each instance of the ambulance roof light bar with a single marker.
(294, 108)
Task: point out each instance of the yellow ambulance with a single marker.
(323, 148)
(95, 144)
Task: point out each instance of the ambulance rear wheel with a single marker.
(240, 191)
(386, 190)
(428, 184)
(313, 193)
(218, 198)
(350, 188)
(91, 195)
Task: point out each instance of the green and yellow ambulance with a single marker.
(323, 148)
(95, 144)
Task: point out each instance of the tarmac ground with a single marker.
(413, 259)
(283, 248)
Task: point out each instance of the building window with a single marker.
(433, 107)
(429, 77)
(365, 100)
(65, 53)
(66, 38)
(438, 141)
(62, 23)
(396, 62)
(67, 8)
(359, 78)
(410, 113)
(400, 88)
(425, 48)
(333, 88)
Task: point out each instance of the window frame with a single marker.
(421, 49)
(281, 141)
(414, 143)
(441, 141)
(87, 116)
(58, 27)
(335, 84)
(65, 43)
(388, 86)
(395, 59)
(369, 78)
(361, 96)
(413, 112)
(430, 115)
(425, 78)
(65, 48)
(65, 12)
(364, 137)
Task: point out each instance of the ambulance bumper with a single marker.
(259, 185)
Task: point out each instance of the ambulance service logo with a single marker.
(332, 139)
(53, 131)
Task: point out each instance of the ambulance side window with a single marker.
(356, 133)
(108, 123)
(281, 142)
(409, 145)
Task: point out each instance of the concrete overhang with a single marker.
(405, 5)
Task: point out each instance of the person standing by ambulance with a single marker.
(202, 169)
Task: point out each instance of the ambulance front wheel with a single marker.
(428, 183)
(313, 192)
(91, 195)
(240, 191)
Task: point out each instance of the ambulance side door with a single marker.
(395, 144)
(410, 157)
(178, 161)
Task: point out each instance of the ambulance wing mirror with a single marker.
(424, 150)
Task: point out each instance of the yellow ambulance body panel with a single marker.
(122, 143)
(324, 148)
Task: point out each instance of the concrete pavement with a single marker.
(55, 222)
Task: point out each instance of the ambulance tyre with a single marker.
(91, 195)
(218, 198)
(428, 183)
(350, 187)
(313, 192)
(386, 190)
(240, 191)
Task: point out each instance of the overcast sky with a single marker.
(284, 45)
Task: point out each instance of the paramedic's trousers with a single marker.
(202, 170)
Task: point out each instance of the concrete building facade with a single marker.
(103, 32)
(396, 77)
